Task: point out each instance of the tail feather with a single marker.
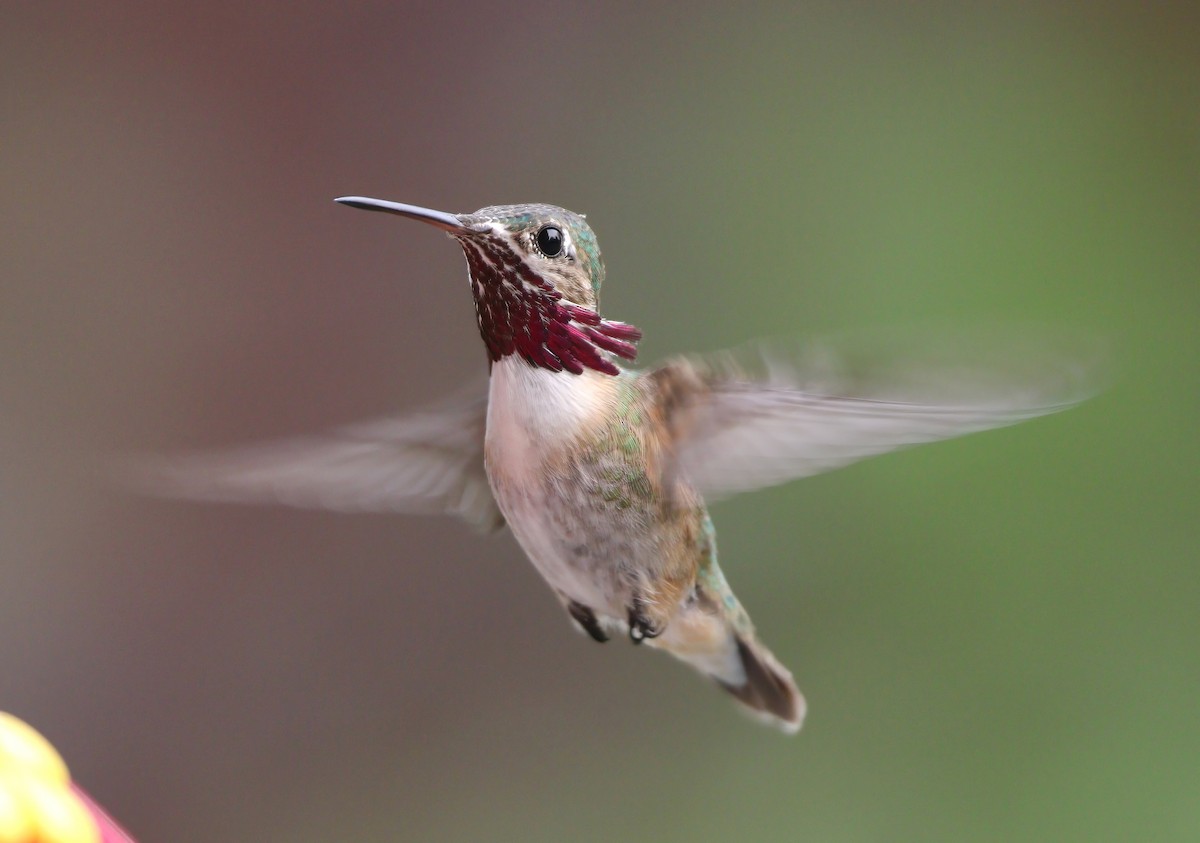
(768, 690)
(714, 635)
(736, 660)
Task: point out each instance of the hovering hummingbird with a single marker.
(601, 472)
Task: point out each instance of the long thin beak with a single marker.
(440, 219)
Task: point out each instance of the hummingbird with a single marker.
(602, 472)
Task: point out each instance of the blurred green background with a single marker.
(999, 637)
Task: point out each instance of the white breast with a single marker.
(533, 412)
(532, 415)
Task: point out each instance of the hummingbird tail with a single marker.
(714, 635)
(764, 686)
(738, 662)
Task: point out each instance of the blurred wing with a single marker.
(787, 415)
(426, 463)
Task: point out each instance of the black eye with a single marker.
(550, 241)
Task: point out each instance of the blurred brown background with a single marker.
(998, 636)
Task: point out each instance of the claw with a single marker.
(641, 626)
(586, 618)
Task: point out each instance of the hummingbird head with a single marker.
(535, 273)
(557, 244)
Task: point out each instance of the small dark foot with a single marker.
(586, 618)
(641, 626)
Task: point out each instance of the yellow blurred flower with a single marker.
(23, 750)
(37, 803)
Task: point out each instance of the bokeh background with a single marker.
(999, 637)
